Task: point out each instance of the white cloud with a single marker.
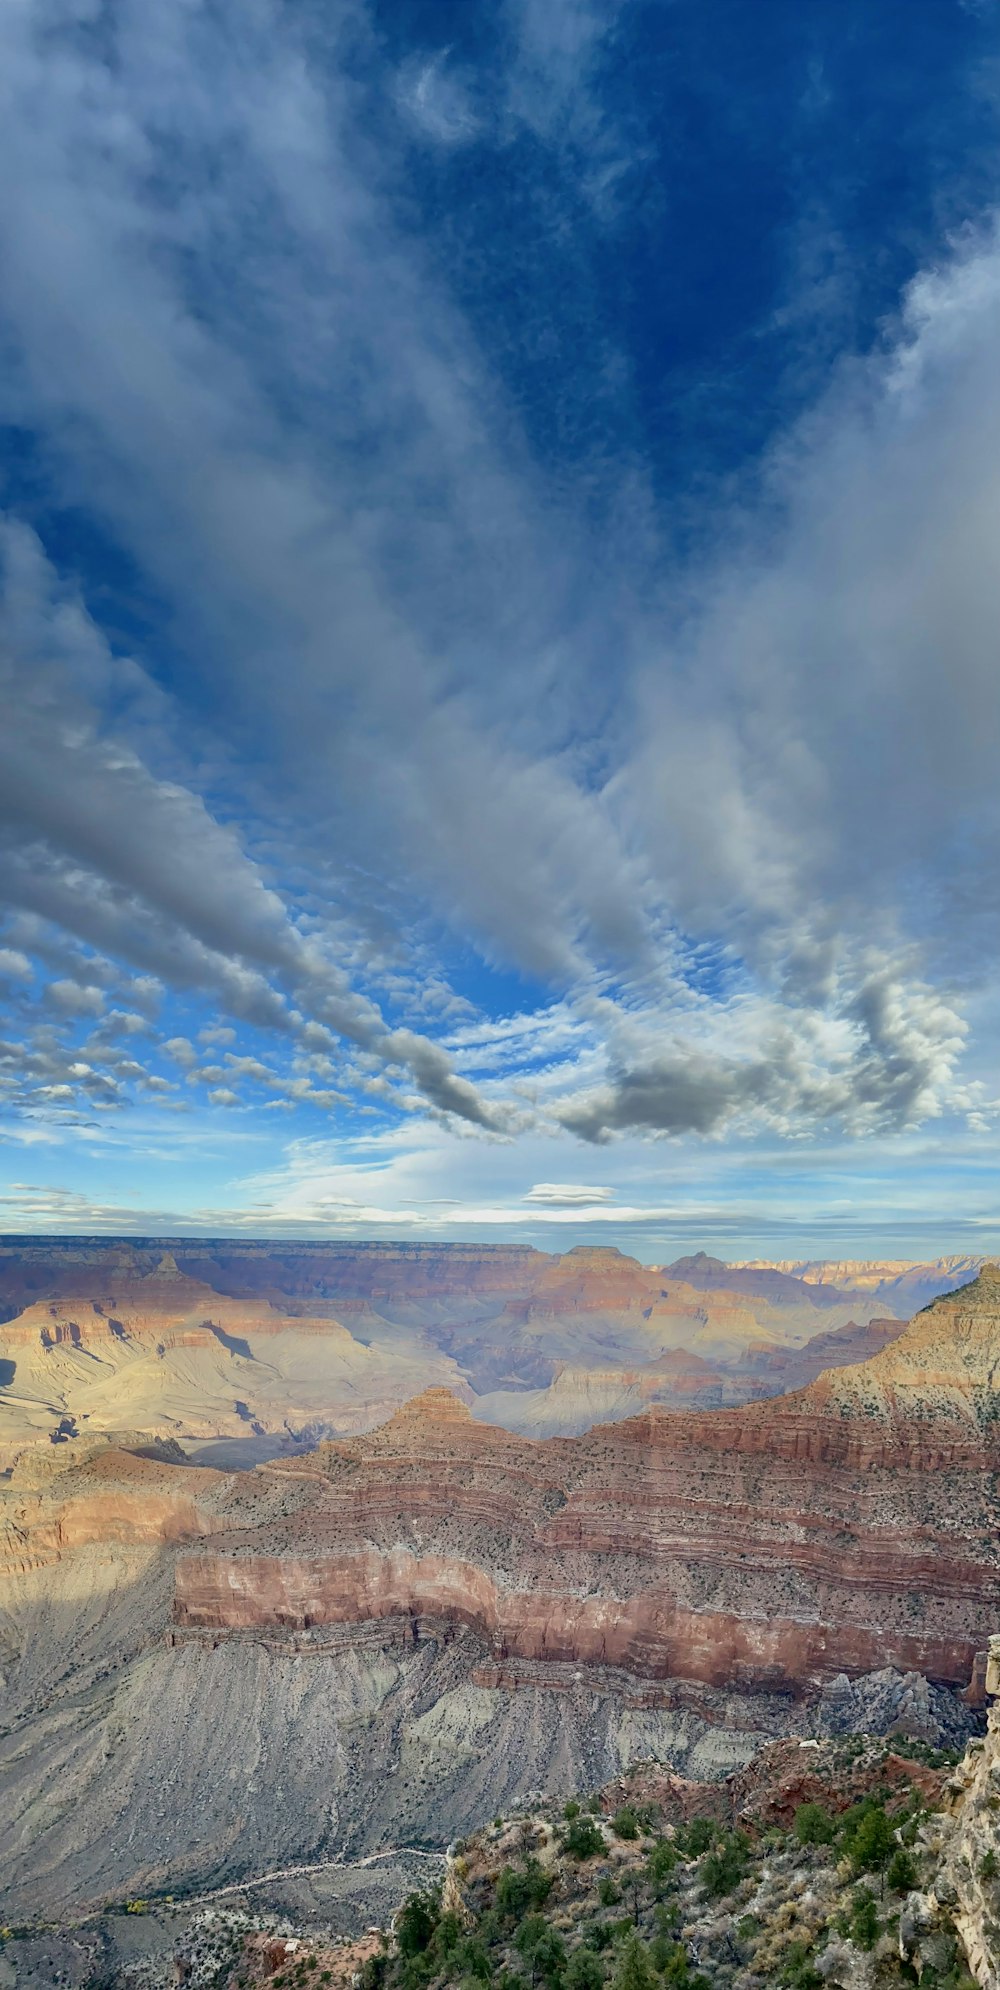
(437, 99)
(757, 887)
(72, 1000)
(567, 1195)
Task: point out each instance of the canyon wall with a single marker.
(239, 1341)
(853, 1524)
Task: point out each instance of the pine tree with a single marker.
(635, 1970)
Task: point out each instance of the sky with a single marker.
(500, 621)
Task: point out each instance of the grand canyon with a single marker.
(292, 1573)
(242, 1342)
(499, 840)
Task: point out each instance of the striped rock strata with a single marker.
(851, 1526)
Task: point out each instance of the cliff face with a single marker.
(903, 1286)
(295, 1342)
(850, 1526)
(427, 1621)
(969, 1881)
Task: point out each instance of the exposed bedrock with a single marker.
(851, 1526)
(650, 1634)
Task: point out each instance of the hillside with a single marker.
(209, 1671)
(844, 1863)
(436, 1617)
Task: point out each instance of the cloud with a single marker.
(723, 838)
(267, 547)
(138, 866)
(554, 88)
(72, 1000)
(435, 97)
(567, 1195)
(883, 1059)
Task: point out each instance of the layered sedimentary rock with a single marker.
(901, 1285)
(852, 1525)
(239, 1341)
(163, 1352)
(213, 1672)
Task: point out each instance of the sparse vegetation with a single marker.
(695, 1904)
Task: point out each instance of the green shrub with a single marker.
(864, 1919)
(670, 1957)
(901, 1873)
(447, 1934)
(871, 1844)
(583, 1839)
(813, 1825)
(722, 1869)
(416, 1923)
(522, 1889)
(469, 1959)
(571, 1810)
(543, 1949)
(696, 1837)
(599, 1936)
(625, 1823)
(797, 1969)
(532, 1931)
(661, 1863)
(609, 1892)
(635, 1970)
(584, 1971)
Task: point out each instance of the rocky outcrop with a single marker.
(209, 1674)
(204, 1341)
(966, 1888)
(901, 1284)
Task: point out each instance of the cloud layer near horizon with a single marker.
(366, 759)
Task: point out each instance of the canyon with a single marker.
(265, 1347)
(848, 1523)
(380, 1640)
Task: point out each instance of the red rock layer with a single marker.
(852, 1526)
(847, 1528)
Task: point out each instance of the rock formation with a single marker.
(902, 1286)
(847, 1526)
(964, 1892)
(437, 1615)
(289, 1343)
(768, 1547)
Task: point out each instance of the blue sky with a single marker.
(498, 608)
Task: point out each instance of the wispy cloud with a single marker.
(421, 793)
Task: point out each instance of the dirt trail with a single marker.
(318, 1866)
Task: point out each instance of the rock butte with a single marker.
(852, 1525)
